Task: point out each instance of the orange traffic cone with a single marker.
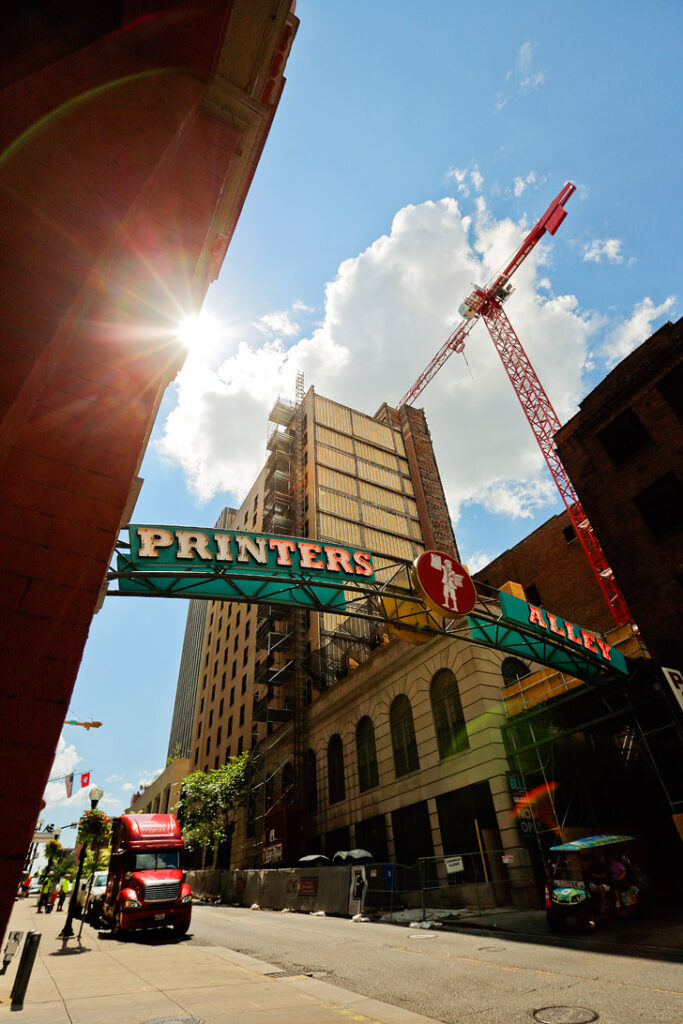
(547, 896)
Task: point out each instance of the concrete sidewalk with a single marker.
(102, 981)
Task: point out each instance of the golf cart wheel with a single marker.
(557, 922)
(587, 921)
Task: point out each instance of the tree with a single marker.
(208, 801)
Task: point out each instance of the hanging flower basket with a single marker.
(94, 828)
(52, 849)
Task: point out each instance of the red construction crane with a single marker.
(487, 302)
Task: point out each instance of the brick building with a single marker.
(129, 136)
(624, 454)
(553, 569)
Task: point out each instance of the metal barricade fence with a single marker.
(474, 881)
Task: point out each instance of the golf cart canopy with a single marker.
(590, 842)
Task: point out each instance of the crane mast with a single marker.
(487, 302)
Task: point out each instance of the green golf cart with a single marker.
(574, 888)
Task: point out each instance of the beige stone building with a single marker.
(161, 796)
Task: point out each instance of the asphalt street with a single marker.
(450, 976)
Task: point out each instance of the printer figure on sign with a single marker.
(450, 579)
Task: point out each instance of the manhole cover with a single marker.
(565, 1015)
(176, 1020)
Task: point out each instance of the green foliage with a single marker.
(176, 753)
(94, 828)
(208, 801)
(96, 860)
(53, 849)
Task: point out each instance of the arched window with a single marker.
(513, 670)
(403, 736)
(449, 721)
(287, 785)
(368, 776)
(335, 769)
(310, 781)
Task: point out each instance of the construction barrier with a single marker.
(302, 889)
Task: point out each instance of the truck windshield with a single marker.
(155, 860)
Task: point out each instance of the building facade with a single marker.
(129, 138)
(624, 454)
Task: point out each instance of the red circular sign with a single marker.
(444, 584)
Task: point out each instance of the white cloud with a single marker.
(279, 323)
(522, 79)
(477, 560)
(630, 333)
(477, 178)
(520, 184)
(386, 313)
(457, 173)
(599, 248)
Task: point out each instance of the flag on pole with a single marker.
(69, 783)
(85, 779)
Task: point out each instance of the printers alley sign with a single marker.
(229, 564)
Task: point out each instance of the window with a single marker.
(201, 705)
(513, 670)
(230, 726)
(196, 756)
(569, 534)
(199, 730)
(240, 745)
(335, 769)
(403, 736)
(234, 670)
(218, 735)
(661, 505)
(227, 754)
(244, 685)
(624, 437)
(215, 763)
(210, 718)
(208, 744)
(220, 708)
(242, 715)
(310, 781)
(245, 656)
(532, 594)
(671, 387)
(246, 629)
(223, 681)
(449, 721)
(368, 776)
(232, 696)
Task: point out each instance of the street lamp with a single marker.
(95, 793)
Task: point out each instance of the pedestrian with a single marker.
(45, 886)
(25, 885)
(52, 898)
(63, 891)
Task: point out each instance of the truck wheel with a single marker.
(117, 930)
(181, 929)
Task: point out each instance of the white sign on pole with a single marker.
(675, 680)
(45, 837)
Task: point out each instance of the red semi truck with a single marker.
(145, 887)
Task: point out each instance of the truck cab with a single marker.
(145, 888)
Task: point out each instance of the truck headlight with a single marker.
(130, 903)
(187, 899)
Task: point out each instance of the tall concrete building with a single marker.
(332, 474)
(180, 739)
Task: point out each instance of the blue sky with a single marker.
(413, 146)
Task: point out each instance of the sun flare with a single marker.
(199, 333)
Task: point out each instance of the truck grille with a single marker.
(158, 891)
